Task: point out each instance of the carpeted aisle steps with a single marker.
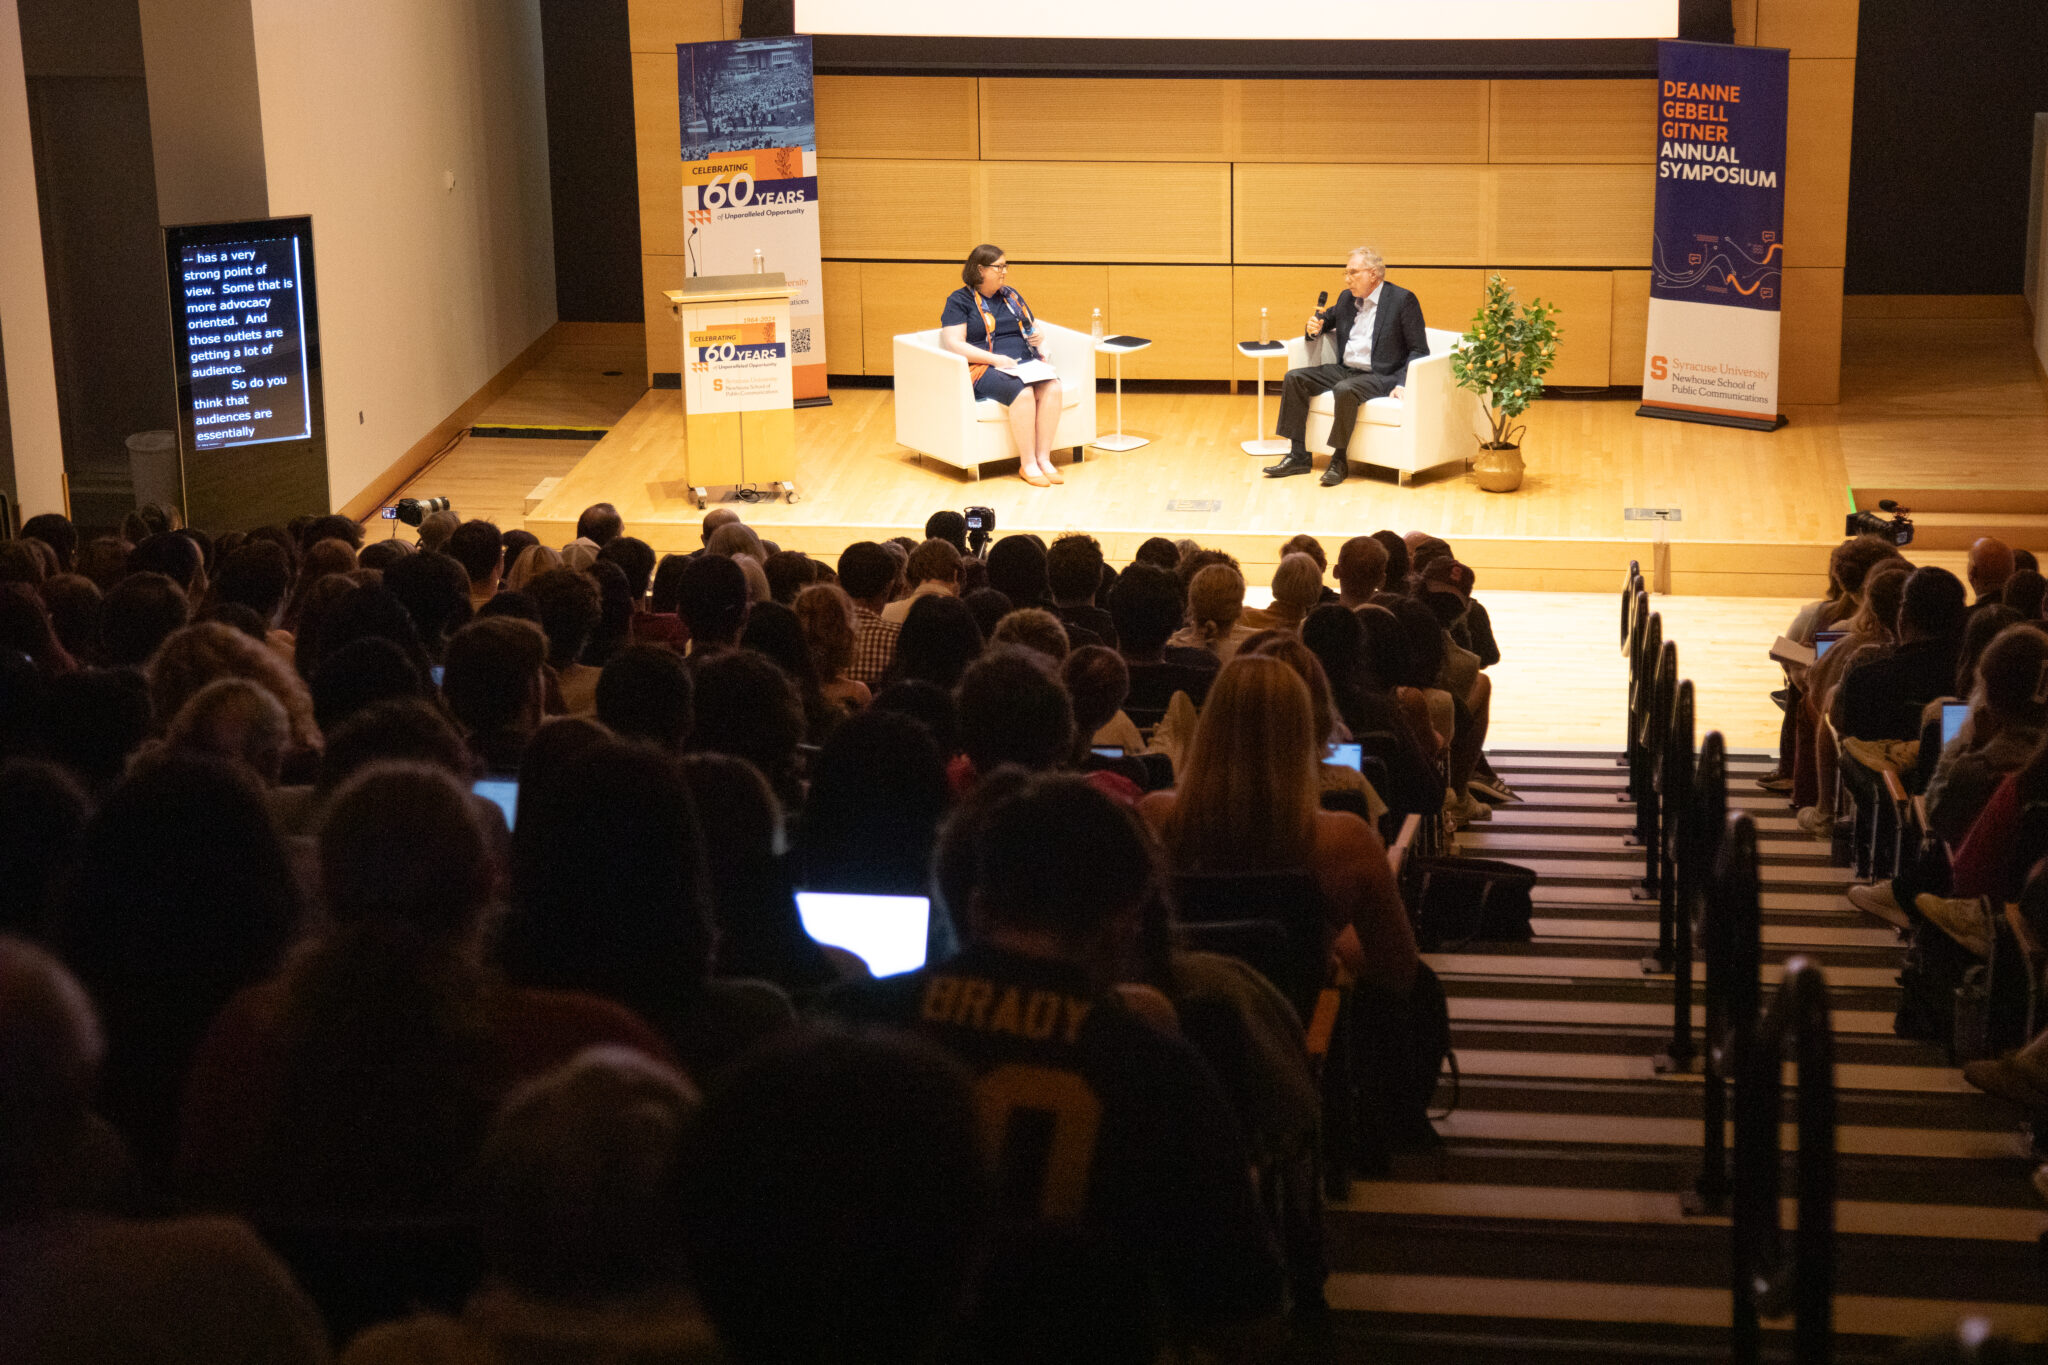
(1550, 1228)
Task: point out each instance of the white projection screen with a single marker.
(1236, 20)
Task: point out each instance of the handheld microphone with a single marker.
(1322, 298)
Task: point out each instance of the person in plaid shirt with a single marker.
(869, 575)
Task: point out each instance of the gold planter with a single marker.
(1498, 469)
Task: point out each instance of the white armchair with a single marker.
(938, 415)
(1433, 422)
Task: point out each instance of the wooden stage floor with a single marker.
(1760, 510)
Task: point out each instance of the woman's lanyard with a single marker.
(1018, 309)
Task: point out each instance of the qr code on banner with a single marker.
(800, 340)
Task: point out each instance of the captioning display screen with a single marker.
(1303, 20)
(243, 326)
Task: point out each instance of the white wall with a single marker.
(34, 430)
(425, 292)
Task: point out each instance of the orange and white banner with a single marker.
(748, 131)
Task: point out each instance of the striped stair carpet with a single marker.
(1550, 1227)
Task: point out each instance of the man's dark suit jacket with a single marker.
(1397, 335)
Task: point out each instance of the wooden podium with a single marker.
(739, 426)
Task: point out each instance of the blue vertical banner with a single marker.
(1717, 265)
(749, 140)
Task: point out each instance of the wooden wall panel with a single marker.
(1322, 121)
(1573, 215)
(898, 116)
(1810, 337)
(1105, 211)
(657, 150)
(895, 298)
(1821, 103)
(1584, 300)
(1044, 119)
(1064, 294)
(1308, 214)
(664, 337)
(1185, 310)
(841, 284)
(1629, 331)
(1745, 22)
(899, 210)
(1811, 28)
(1573, 121)
(658, 25)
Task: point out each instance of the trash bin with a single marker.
(153, 466)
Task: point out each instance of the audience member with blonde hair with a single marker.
(736, 538)
(1289, 649)
(201, 653)
(1215, 613)
(1033, 628)
(1297, 587)
(533, 561)
(1247, 801)
(235, 719)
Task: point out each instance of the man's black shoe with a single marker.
(1294, 462)
(1337, 471)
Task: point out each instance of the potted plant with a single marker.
(1506, 352)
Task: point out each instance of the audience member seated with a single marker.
(2024, 593)
(1215, 614)
(578, 1196)
(93, 720)
(1848, 564)
(569, 613)
(533, 561)
(1361, 571)
(199, 654)
(43, 814)
(478, 548)
(753, 905)
(1356, 667)
(774, 632)
(1097, 680)
(733, 538)
(78, 1285)
(789, 573)
(1016, 569)
(611, 897)
(616, 614)
(234, 719)
(599, 525)
(434, 589)
(1989, 566)
(1033, 628)
(645, 693)
(868, 575)
(934, 567)
(878, 792)
(184, 896)
(1297, 588)
(435, 530)
(1029, 1005)
(1074, 572)
(1247, 801)
(748, 707)
(938, 639)
(635, 558)
(825, 613)
(74, 603)
(1288, 648)
(407, 730)
(2006, 727)
(712, 600)
(1871, 631)
(493, 686)
(835, 1202)
(139, 614)
(359, 1081)
(56, 531)
(1147, 606)
(25, 627)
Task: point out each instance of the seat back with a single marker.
(1271, 921)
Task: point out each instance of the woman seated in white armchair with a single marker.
(989, 323)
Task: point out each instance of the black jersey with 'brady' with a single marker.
(1096, 1116)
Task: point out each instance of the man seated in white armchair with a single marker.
(1376, 329)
